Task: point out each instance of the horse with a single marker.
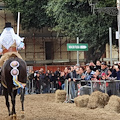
(14, 66)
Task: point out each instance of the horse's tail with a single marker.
(14, 72)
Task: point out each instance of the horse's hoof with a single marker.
(10, 113)
(22, 116)
(14, 117)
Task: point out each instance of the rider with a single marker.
(10, 43)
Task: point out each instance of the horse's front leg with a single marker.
(22, 93)
(5, 92)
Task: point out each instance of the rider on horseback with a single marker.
(10, 43)
(13, 71)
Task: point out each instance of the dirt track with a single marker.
(43, 107)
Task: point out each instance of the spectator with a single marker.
(46, 84)
(87, 76)
(62, 80)
(57, 75)
(117, 68)
(112, 86)
(72, 76)
(104, 69)
(30, 78)
(65, 74)
(92, 66)
(42, 77)
(81, 73)
(53, 81)
(37, 79)
(76, 66)
(110, 75)
(77, 81)
(95, 78)
(98, 65)
(66, 71)
(87, 65)
(102, 76)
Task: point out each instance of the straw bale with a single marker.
(113, 104)
(60, 96)
(81, 101)
(98, 100)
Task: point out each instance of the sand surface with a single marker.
(43, 107)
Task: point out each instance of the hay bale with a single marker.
(81, 101)
(97, 100)
(60, 96)
(113, 104)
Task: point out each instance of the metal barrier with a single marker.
(113, 82)
(31, 87)
(108, 86)
(67, 88)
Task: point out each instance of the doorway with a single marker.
(49, 50)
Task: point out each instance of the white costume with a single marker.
(9, 44)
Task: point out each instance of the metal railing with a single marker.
(112, 86)
(31, 87)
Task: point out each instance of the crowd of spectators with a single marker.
(43, 82)
(78, 77)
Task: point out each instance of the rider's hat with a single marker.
(8, 24)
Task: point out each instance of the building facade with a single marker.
(44, 47)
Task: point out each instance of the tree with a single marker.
(33, 14)
(74, 18)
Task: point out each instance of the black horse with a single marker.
(7, 81)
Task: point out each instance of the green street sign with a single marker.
(77, 47)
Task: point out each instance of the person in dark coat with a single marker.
(117, 68)
(53, 81)
(62, 80)
(98, 65)
(42, 77)
(71, 78)
(46, 84)
(37, 79)
(57, 75)
(31, 80)
(111, 90)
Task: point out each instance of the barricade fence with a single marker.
(81, 87)
(31, 87)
